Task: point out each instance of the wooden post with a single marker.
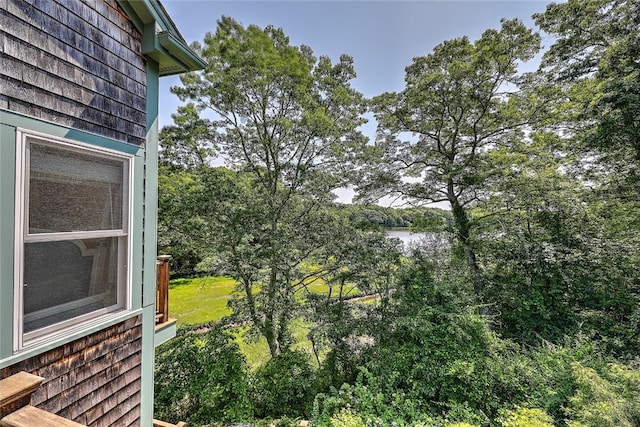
(162, 289)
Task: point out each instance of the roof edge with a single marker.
(162, 40)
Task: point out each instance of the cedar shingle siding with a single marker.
(94, 380)
(76, 63)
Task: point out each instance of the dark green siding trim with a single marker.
(26, 122)
(7, 221)
(150, 251)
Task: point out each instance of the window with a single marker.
(72, 249)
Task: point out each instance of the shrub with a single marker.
(346, 418)
(524, 417)
(605, 399)
(434, 349)
(201, 378)
(284, 386)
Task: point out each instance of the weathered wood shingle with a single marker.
(94, 380)
(77, 63)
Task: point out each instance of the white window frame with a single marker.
(24, 340)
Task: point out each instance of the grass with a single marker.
(256, 353)
(204, 299)
(200, 300)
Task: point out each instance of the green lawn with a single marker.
(200, 300)
(204, 299)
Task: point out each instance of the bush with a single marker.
(346, 418)
(434, 348)
(201, 378)
(610, 398)
(284, 386)
(524, 417)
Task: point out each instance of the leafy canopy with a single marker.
(286, 124)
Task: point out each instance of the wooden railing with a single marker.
(162, 289)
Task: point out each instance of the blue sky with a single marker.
(381, 36)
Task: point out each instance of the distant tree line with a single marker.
(375, 217)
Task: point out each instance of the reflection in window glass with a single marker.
(73, 191)
(75, 235)
(67, 279)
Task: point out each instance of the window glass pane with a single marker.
(74, 191)
(67, 279)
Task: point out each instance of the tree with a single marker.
(177, 192)
(594, 58)
(364, 264)
(460, 102)
(558, 258)
(594, 61)
(286, 124)
(530, 248)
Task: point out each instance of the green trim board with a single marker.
(165, 332)
(18, 120)
(7, 237)
(150, 191)
(149, 245)
(147, 366)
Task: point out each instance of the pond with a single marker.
(406, 236)
(429, 241)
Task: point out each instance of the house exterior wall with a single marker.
(75, 63)
(86, 72)
(74, 69)
(94, 380)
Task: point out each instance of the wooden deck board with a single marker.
(30, 416)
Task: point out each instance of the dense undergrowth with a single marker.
(423, 358)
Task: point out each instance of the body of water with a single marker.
(432, 242)
(407, 236)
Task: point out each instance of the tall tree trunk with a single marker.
(463, 235)
(269, 332)
(271, 329)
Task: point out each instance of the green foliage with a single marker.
(555, 261)
(369, 262)
(366, 401)
(431, 355)
(526, 417)
(375, 217)
(549, 237)
(612, 399)
(435, 362)
(201, 378)
(434, 350)
(286, 123)
(594, 56)
(458, 110)
(284, 386)
(177, 193)
(346, 418)
(556, 274)
(573, 384)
